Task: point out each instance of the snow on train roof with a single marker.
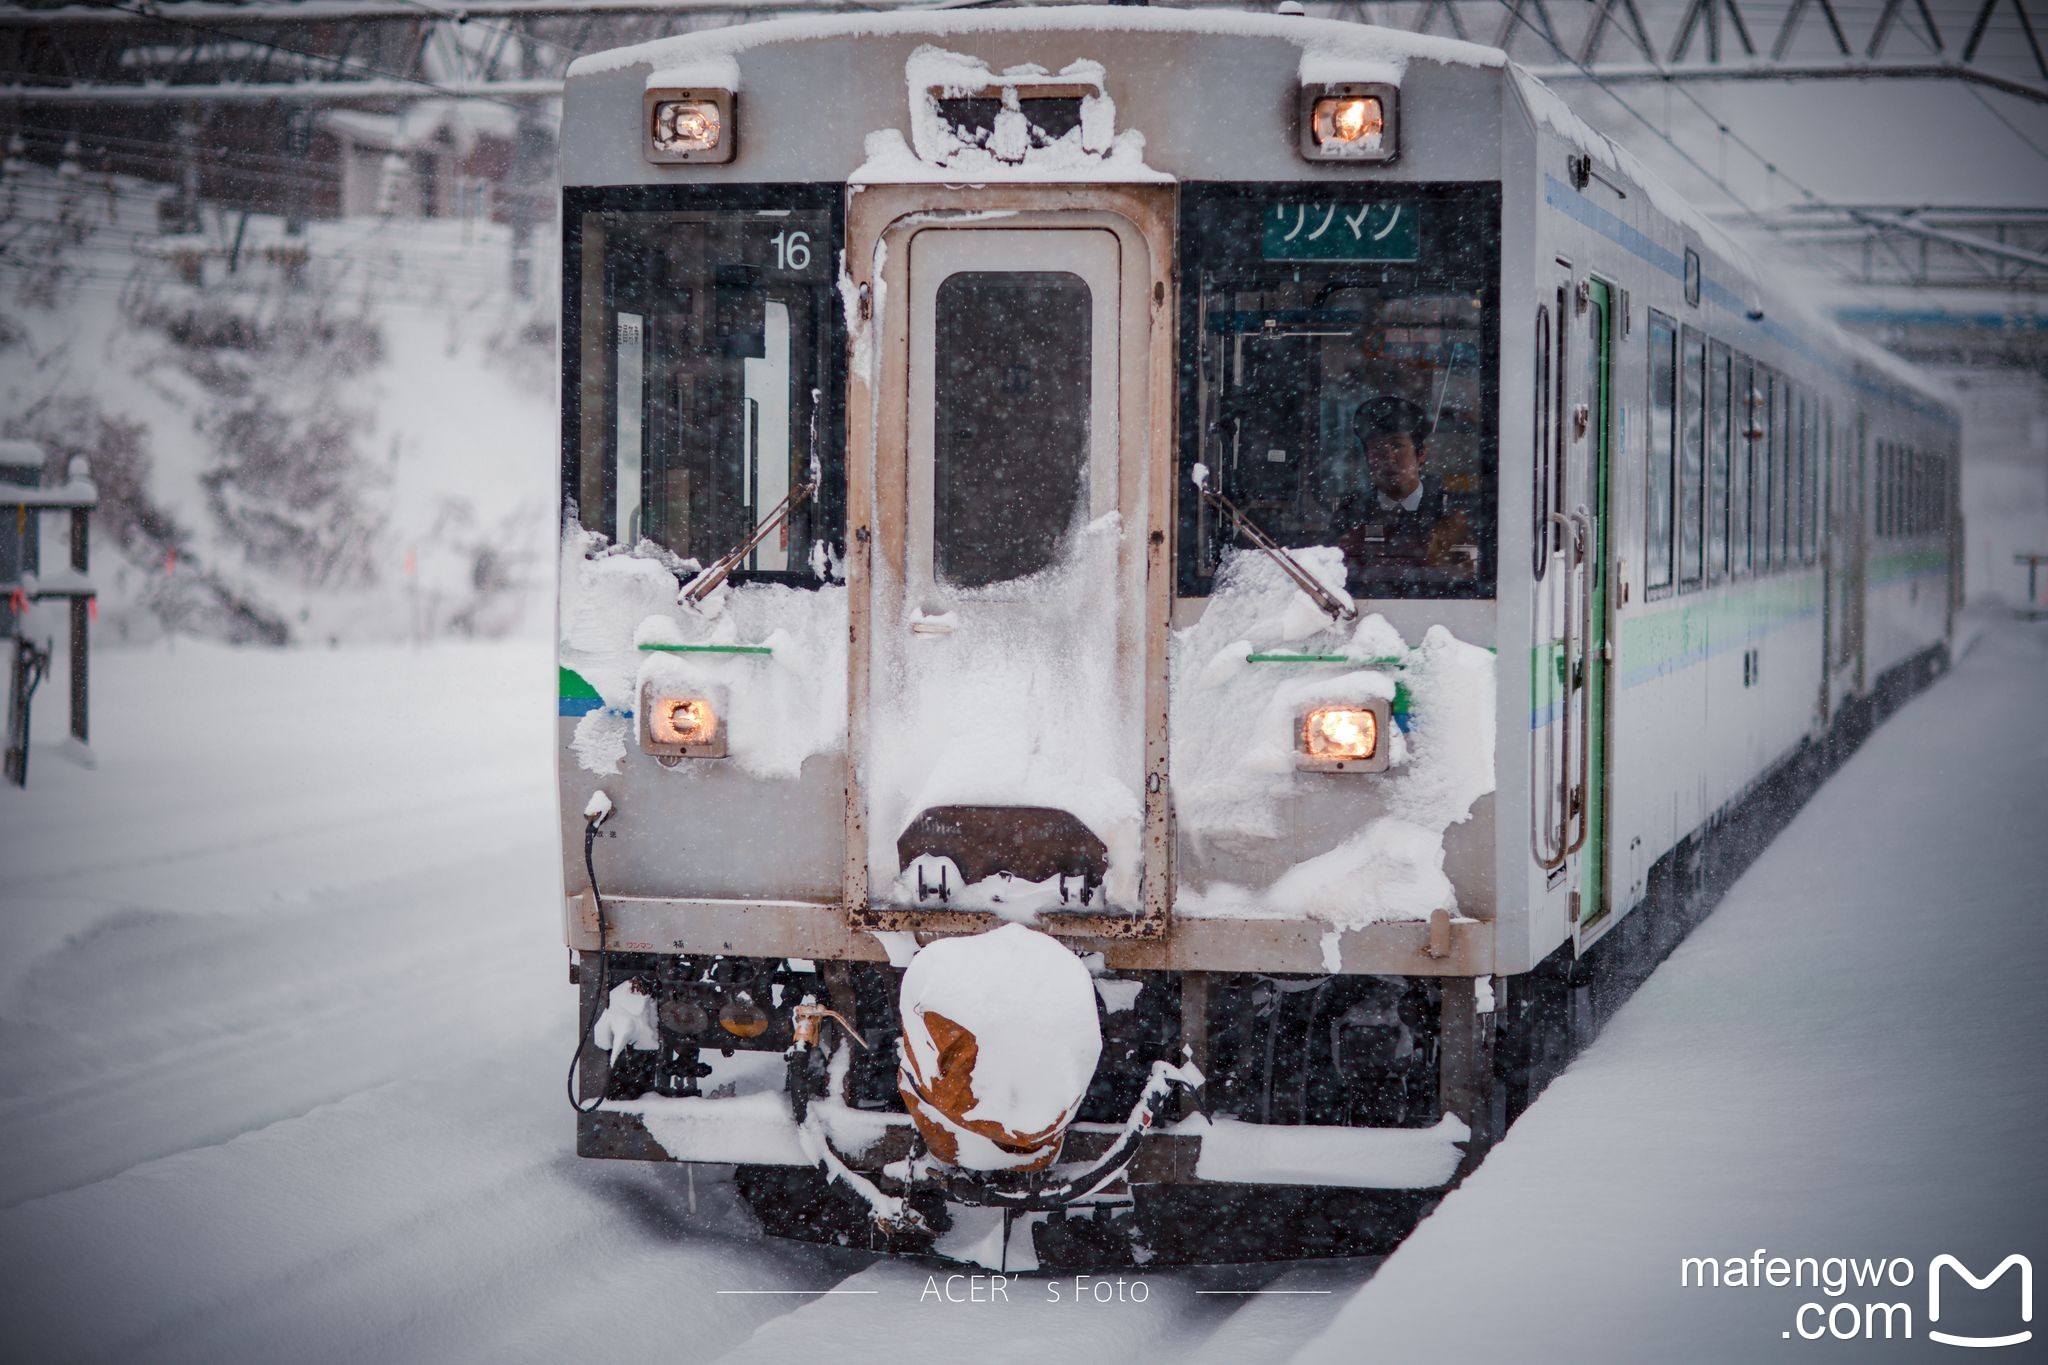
(1551, 112)
(1332, 50)
(1321, 40)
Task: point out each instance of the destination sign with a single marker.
(1340, 232)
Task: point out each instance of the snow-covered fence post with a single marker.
(78, 481)
(23, 500)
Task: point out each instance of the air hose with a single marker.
(594, 816)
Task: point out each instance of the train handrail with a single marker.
(1580, 805)
(1550, 837)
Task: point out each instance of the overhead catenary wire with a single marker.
(337, 63)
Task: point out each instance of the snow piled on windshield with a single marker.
(1234, 746)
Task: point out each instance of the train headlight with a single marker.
(1349, 122)
(1343, 738)
(680, 724)
(689, 126)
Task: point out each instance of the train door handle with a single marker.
(1585, 541)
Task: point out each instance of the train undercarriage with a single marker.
(1307, 1115)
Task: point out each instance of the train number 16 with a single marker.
(792, 250)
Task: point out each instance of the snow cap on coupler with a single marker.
(1000, 1040)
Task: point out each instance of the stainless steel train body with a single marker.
(1700, 530)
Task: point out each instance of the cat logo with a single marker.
(1934, 1298)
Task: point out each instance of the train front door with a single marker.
(1000, 742)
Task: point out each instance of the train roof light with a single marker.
(1349, 122)
(686, 126)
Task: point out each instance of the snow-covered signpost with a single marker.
(23, 500)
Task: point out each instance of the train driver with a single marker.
(1404, 521)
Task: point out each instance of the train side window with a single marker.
(1657, 552)
(1884, 488)
(1764, 480)
(1802, 458)
(1692, 460)
(1881, 502)
(1742, 466)
(1809, 521)
(1719, 422)
(1902, 505)
(1009, 422)
(1891, 491)
(1831, 475)
(1797, 455)
(1781, 474)
(1898, 490)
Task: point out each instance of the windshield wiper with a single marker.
(706, 583)
(1335, 607)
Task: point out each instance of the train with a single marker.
(1151, 601)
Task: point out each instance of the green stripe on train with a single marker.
(1685, 627)
(573, 686)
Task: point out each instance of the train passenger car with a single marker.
(1143, 591)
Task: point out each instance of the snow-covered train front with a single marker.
(1140, 589)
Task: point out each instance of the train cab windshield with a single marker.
(706, 349)
(1339, 373)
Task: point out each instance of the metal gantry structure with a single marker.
(159, 50)
(71, 64)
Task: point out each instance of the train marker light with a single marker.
(1344, 738)
(680, 726)
(1349, 122)
(689, 126)
(742, 1018)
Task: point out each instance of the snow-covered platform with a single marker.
(1844, 1060)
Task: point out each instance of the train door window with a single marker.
(1658, 549)
(1339, 380)
(707, 343)
(1010, 424)
(1692, 459)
